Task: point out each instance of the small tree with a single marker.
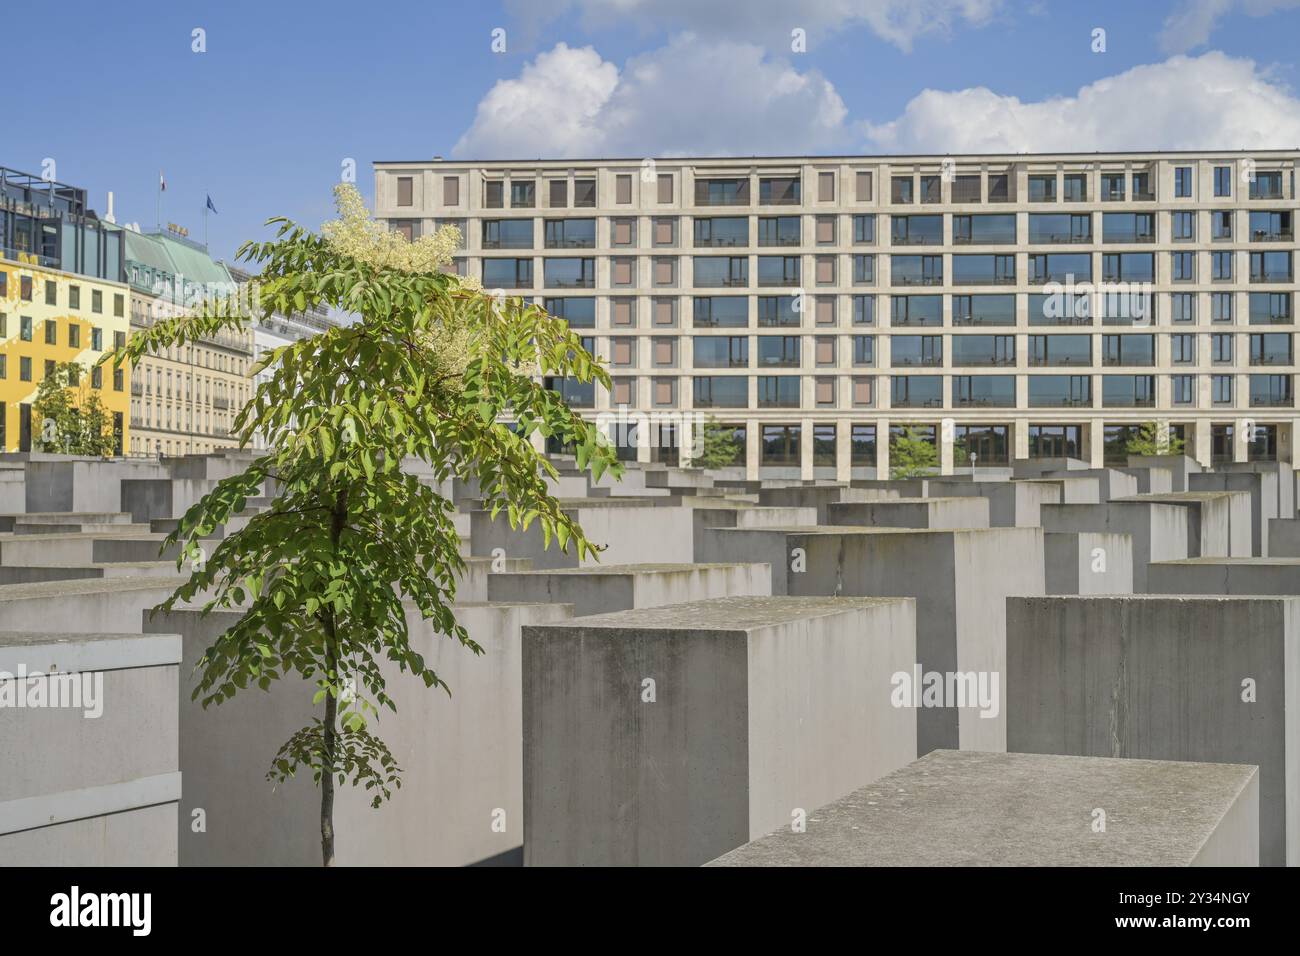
(911, 455)
(719, 446)
(1152, 439)
(321, 574)
(73, 420)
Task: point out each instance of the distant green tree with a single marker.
(1151, 439)
(70, 416)
(719, 446)
(911, 455)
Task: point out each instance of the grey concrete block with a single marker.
(1211, 679)
(1262, 489)
(604, 589)
(1088, 562)
(959, 808)
(1012, 504)
(94, 781)
(761, 706)
(1284, 537)
(87, 606)
(970, 512)
(631, 532)
(461, 756)
(1218, 523)
(1160, 530)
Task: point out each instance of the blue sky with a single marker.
(286, 92)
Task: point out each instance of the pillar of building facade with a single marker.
(844, 450)
(806, 449)
(753, 449)
(1096, 443)
(1204, 446)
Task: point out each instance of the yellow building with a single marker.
(48, 317)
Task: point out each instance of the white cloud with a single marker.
(1213, 101)
(899, 22)
(694, 97)
(687, 97)
(1192, 23)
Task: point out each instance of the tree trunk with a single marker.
(340, 518)
(327, 784)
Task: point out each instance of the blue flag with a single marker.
(210, 206)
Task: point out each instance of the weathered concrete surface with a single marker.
(1218, 523)
(604, 589)
(1152, 481)
(1284, 537)
(1230, 576)
(95, 783)
(1074, 491)
(472, 587)
(1012, 504)
(631, 532)
(760, 706)
(1284, 478)
(911, 513)
(959, 579)
(962, 808)
(1165, 678)
(1261, 487)
(87, 606)
(461, 757)
(78, 550)
(82, 484)
(1159, 529)
(1088, 562)
(1179, 466)
(1111, 483)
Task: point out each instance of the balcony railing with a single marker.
(1266, 235)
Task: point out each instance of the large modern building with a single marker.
(62, 299)
(183, 399)
(1006, 306)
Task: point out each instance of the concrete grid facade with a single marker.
(821, 303)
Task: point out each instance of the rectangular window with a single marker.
(584, 193)
(1182, 182)
(825, 187)
(405, 191)
(623, 189)
(559, 193)
(25, 328)
(25, 288)
(451, 190)
(665, 188)
(863, 185)
(1222, 181)
(1184, 227)
(74, 297)
(523, 195)
(51, 292)
(51, 332)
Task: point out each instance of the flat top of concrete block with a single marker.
(596, 570)
(1168, 598)
(910, 501)
(967, 808)
(80, 586)
(95, 536)
(38, 638)
(1246, 562)
(832, 529)
(1181, 497)
(729, 613)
